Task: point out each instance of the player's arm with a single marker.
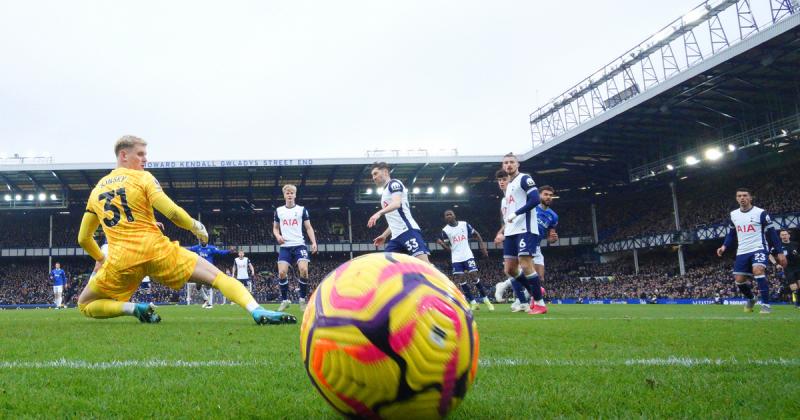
(276, 229)
(776, 246)
(176, 214)
(252, 270)
(233, 269)
(51, 276)
(729, 237)
(89, 225)
(499, 237)
(382, 237)
(531, 200)
(481, 243)
(311, 235)
(442, 240)
(397, 201)
(552, 234)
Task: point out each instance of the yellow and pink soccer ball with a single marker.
(388, 336)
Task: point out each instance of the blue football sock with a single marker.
(535, 286)
(467, 291)
(482, 292)
(284, 289)
(519, 291)
(303, 288)
(763, 288)
(746, 290)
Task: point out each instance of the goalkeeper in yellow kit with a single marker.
(122, 203)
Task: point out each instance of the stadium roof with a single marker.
(747, 85)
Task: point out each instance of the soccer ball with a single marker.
(388, 336)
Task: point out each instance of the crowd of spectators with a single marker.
(569, 275)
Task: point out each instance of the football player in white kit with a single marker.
(455, 238)
(520, 294)
(521, 232)
(404, 230)
(244, 271)
(757, 238)
(287, 226)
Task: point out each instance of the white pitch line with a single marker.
(120, 364)
(668, 361)
(526, 317)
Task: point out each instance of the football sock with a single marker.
(58, 301)
(467, 292)
(106, 308)
(519, 291)
(535, 288)
(763, 288)
(482, 292)
(235, 291)
(303, 288)
(745, 289)
(284, 286)
(796, 298)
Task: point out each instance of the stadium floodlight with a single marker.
(379, 191)
(334, 208)
(18, 197)
(429, 190)
(216, 210)
(42, 196)
(369, 190)
(445, 189)
(459, 189)
(53, 197)
(7, 197)
(731, 147)
(691, 160)
(670, 167)
(30, 197)
(713, 153)
(415, 190)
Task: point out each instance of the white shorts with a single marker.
(538, 258)
(58, 289)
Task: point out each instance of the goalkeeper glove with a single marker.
(199, 231)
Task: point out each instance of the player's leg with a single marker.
(794, 286)
(512, 270)
(283, 280)
(206, 273)
(302, 270)
(760, 277)
(742, 272)
(475, 279)
(106, 296)
(528, 246)
(56, 297)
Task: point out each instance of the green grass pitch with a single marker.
(578, 361)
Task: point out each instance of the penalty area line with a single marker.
(122, 364)
(668, 361)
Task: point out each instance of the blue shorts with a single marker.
(745, 262)
(410, 242)
(293, 254)
(144, 285)
(467, 266)
(520, 245)
(244, 281)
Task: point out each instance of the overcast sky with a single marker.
(298, 79)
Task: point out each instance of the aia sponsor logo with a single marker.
(745, 228)
(290, 222)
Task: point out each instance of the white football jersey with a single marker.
(146, 279)
(242, 270)
(458, 236)
(291, 221)
(750, 227)
(400, 220)
(515, 197)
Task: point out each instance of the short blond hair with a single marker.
(126, 142)
(289, 187)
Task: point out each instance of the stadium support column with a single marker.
(350, 231)
(594, 222)
(50, 245)
(681, 263)
(636, 260)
